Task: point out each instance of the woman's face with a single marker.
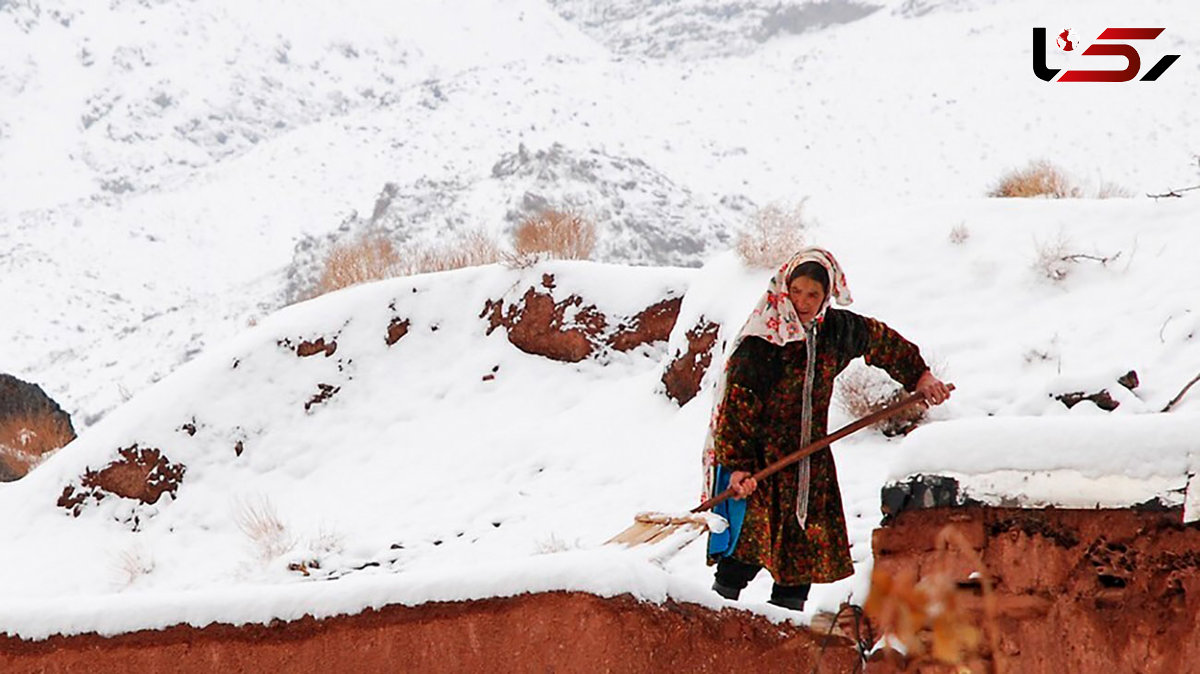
(806, 296)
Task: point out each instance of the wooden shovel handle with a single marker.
(906, 402)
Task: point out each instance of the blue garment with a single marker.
(734, 512)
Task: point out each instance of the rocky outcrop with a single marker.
(1074, 590)
(571, 329)
(32, 425)
(141, 474)
(1101, 398)
(555, 632)
(685, 372)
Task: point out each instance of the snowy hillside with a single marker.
(440, 462)
(161, 162)
(170, 170)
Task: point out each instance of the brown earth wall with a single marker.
(555, 632)
(1078, 591)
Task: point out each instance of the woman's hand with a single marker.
(932, 388)
(742, 484)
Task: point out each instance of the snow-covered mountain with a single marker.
(162, 163)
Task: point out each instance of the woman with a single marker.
(772, 399)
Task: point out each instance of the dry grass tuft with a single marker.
(772, 235)
(472, 249)
(1055, 258)
(864, 390)
(370, 257)
(373, 257)
(1039, 179)
(259, 521)
(132, 564)
(1113, 191)
(26, 440)
(1052, 258)
(959, 234)
(553, 544)
(564, 235)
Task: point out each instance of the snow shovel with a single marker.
(650, 528)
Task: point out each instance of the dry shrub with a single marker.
(959, 234)
(1113, 191)
(928, 616)
(26, 440)
(472, 249)
(553, 545)
(260, 523)
(1055, 258)
(370, 257)
(1052, 258)
(563, 235)
(1039, 179)
(772, 235)
(373, 257)
(864, 390)
(132, 564)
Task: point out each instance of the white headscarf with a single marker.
(775, 320)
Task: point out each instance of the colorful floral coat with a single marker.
(760, 423)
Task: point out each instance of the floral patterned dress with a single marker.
(759, 423)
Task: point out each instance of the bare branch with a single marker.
(1164, 325)
(1177, 193)
(1075, 257)
(1173, 193)
(1177, 398)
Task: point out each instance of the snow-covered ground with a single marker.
(159, 165)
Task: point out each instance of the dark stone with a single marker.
(685, 372)
(1129, 380)
(1102, 399)
(31, 423)
(920, 492)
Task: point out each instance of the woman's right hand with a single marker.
(742, 484)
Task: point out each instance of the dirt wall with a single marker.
(1107, 591)
(555, 632)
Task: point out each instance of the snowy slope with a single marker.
(422, 478)
(194, 142)
(163, 163)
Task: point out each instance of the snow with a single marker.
(1068, 461)
(145, 252)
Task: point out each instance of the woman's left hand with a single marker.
(935, 391)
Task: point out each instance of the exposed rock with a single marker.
(1074, 590)
(656, 29)
(1102, 399)
(32, 425)
(312, 348)
(326, 392)
(571, 330)
(397, 329)
(683, 376)
(557, 632)
(1129, 380)
(653, 324)
(922, 491)
(141, 474)
(642, 216)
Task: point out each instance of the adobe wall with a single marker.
(557, 632)
(1075, 590)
